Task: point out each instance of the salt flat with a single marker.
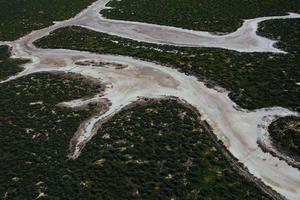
(238, 129)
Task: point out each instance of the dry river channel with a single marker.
(239, 130)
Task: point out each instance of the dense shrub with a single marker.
(20, 17)
(205, 15)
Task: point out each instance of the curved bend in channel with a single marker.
(238, 129)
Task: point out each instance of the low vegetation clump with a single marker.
(285, 134)
(255, 80)
(205, 15)
(157, 150)
(9, 66)
(20, 17)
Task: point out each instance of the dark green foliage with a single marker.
(154, 151)
(35, 134)
(206, 15)
(285, 133)
(9, 66)
(286, 31)
(160, 150)
(256, 79)
(20, 17)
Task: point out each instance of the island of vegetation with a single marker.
(285, 134)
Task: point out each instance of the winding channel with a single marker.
(238, 129)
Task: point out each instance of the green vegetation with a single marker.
(152, 151)
(205, 15)
(35, 134)
(157, 149)
(256, 80)
(286, 31)
(285, 133)
(20, 17)
(160, 150)
(9, 66)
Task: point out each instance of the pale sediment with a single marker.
(238, 129)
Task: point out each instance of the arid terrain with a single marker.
(127, 80)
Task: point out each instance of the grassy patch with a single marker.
(205, 15)
(20, 17)
(256, 79)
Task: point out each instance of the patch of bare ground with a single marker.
(101, 107)
(54, 62)
(236, 128)
(279, 153)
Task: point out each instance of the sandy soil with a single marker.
(238, 129)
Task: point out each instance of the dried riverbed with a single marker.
(128, 79)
